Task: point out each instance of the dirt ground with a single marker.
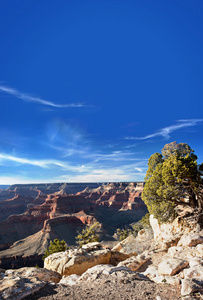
(109, 290)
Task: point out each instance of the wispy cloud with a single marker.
(9, 180)
(121, 173)
(115, 156)
(101, 175)
(39, 163)
(29, 98)
(166, 131)
(61, 170)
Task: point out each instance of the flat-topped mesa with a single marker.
(78, 219)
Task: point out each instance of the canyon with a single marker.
(32, 215)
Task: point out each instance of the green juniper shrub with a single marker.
(173, 178)
(54, 247)
(134, 228)
(88, 235)
(123, 233)
(145, 221)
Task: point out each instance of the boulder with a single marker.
(191, 240)
(39, 273)
(167, 234)
(103, 273)
(190, 286)
(194, 272)
(91, 246)
(151, 272)
(136, 245)
(135, 262)
(95, 272)
(69, 280)
(195, 261)
(17, 288)
(110, 272)
(80, 263)
(117, 257)
(181, 252)
(199, 250)
(171, 266)
(17, 284)
(76, 261)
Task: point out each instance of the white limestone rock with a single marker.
(167, 279)
(17, 288)
(190, 240)
(110, 272)
(191, 285)
(167, 234)
(151, 272)
(77, 261)
(194, 272)
(69, 280)
(171, 266)
(91, 246)
(30, 272)
(199, 250)
(195, 261)
(136, 245)
(135, 262)
(17, 284)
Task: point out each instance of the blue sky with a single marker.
(90, 89)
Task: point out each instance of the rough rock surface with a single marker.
(135, 262)
(191, 286)
(77, 261)
(17, 284)
(165, 272)
(171, 266)
(136, 245)
(167, 234)
(108, 282)
(184, 262)
(192, 239)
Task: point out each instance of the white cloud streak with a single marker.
(28, 98)
(101, 175)
(40, 163)
(166, 131)
(9, 180)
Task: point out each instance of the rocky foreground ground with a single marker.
(165, 262)
(110, 290)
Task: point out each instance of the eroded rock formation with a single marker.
(41, 217)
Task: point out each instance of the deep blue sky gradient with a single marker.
(90, 89)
